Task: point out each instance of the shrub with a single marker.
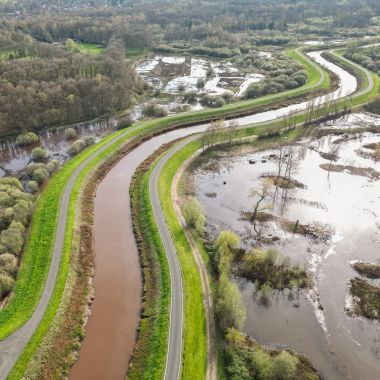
(5, 199)
(21, 212)
(200, 83)
(229, 306)
(11, 181)
(284, 366)
(125, 121)
(40, 175)
(154, 110)
(6, 216)
(194, 214)
(225, 247)
(6, 284)
(27, 138)
(262, 364)
(70, 133)
(89, 140)
(39, 154)
(32, 167)
(76, 147)
(8, 264)
(52, 166)
(13, 237)
(32, 186)
(219, 102)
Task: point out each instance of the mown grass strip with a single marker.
(151, 349)
(194, 332)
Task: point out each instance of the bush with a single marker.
(284, 366)
(154, 110)
(21, 212)
(194, 214)
(70, 133)
(11, 181)
(229, 306)
(32, 167)
(6, 216)
(6, 284)
(40, 175)
(89, 140)
(8, 264)
(32, 186)
(5, 199)
(219, 102)
(225, 247)
(76, 147)
(27, 138)
(200, 83)
(13, 238)
(39, 154)
(125, 121)
(52, 166)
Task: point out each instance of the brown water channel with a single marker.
(340, 346)
(111, 328)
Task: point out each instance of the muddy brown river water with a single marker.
(340, 346)
(111, 328)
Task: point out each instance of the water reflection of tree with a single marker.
(287, 160)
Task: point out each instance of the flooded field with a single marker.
(338, 195)
(14, 158)
(179, 74)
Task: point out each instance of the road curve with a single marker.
(12, 347)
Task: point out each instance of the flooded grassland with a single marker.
(323, 211)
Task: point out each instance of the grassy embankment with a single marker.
(38, 250)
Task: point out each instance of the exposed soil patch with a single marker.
(284, 182)
(353, 170)
(314, 230)
(366, 298)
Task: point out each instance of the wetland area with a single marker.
(335, 193)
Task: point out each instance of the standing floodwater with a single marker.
(340, 199)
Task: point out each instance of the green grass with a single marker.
(87, 48)
(359, 72)
(38, 251)
(135, 54)
(194, 332)
(150, 354)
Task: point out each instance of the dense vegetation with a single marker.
(43, 85)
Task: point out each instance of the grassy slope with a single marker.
(194, 334)
(37, 256)
(153, 330)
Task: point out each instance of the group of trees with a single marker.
(15, 211)
(369, 57)
(53, 85)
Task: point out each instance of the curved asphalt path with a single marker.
(12, 347)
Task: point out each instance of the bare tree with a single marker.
(260, 195)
